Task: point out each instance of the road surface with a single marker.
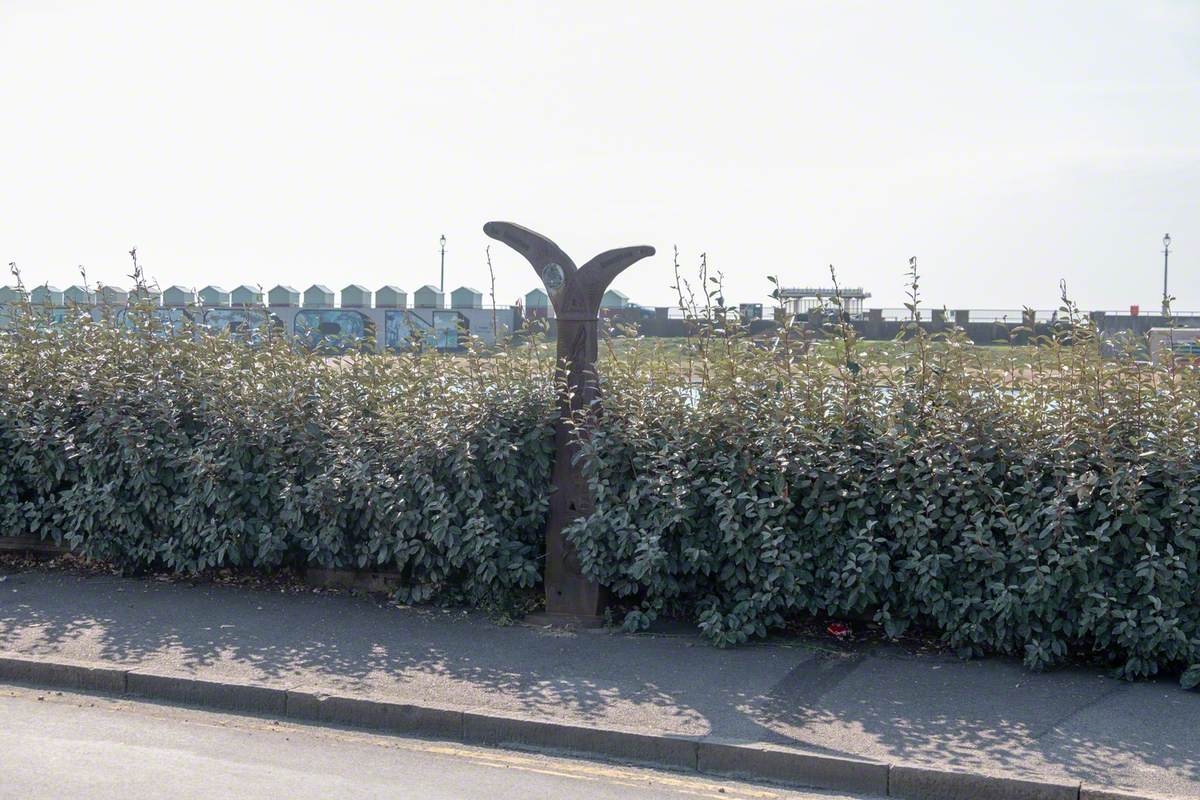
(59, 744)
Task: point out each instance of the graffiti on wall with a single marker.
(334, 330)
(241, 323)
(166, 321)
(444, 329)
(402, 330)
(446, 325)
(53, 316)
(49, 315)
(423, 327)
(487, 324)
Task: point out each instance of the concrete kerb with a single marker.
(208, 694)
(921, 783)
(704, 755)
(762, 762)
(314, 705)
(1093, 793)
(63, 675)
(677, 752)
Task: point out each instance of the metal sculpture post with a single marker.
(576, 294)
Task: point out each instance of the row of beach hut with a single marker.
(246, 296)
(315, 296)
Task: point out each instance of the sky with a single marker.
(1007, 145)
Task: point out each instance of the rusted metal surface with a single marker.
(575, 293)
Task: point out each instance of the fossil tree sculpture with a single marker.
(576, 293)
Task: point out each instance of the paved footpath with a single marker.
(502, 684)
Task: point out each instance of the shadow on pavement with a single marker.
(988, 714)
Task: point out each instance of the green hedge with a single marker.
(191, 453)
(1039, 502)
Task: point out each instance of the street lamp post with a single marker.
(442, 283)
(1166, 256)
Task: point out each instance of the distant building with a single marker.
(537, 298)
(613, 299)
(356, 296)
(750, 311)
(537, 304)
(12, 296)
(78, 295)
(466, 297)
(112, 296)
(429, 297)
(283, 297)
(246, 296)
(178, 296)
(146, 295)
(391, 297)
(1183, 343)
(318, 296)
(46, 295)
(214, 296)
(802, 299)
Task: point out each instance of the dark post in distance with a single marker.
(576, 293)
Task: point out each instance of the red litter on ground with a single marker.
(838, 629)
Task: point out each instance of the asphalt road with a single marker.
(59, 744)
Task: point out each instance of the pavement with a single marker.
(875, 720)
(56, 744)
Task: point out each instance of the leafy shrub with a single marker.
(1048, 510)
(1043, 502)
(193, 452)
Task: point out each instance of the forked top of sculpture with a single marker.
(575, 291)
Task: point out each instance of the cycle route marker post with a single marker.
(575, 293)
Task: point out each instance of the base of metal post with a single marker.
(547, 619)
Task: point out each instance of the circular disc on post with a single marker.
(553, 277)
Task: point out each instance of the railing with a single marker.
(823, 291)
(903, 314)
(1009, 316)
(1148, 312)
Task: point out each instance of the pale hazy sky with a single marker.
(1006, 144)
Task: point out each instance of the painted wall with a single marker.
(441, 328)
(242, 323)
(334, 330)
